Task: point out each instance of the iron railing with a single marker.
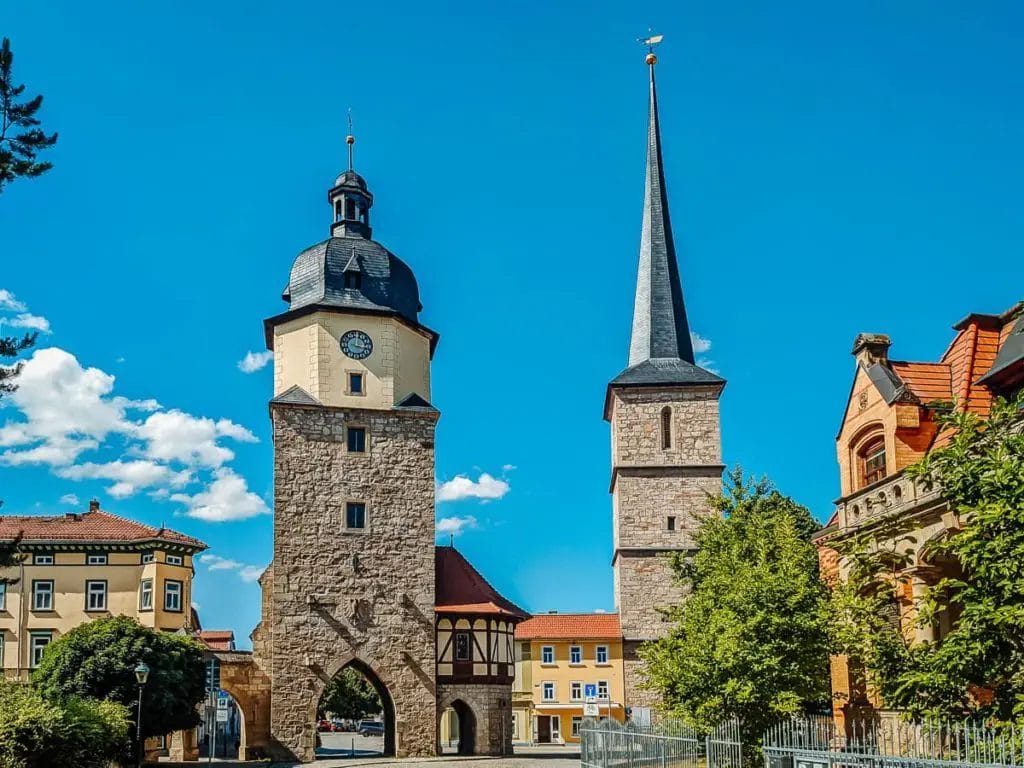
(610, 744)
(816, 742)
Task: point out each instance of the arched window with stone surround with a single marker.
(871, 460)
(666, 428)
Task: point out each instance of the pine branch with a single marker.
(21, 140)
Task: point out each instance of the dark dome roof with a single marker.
(386, 283)
(351, 178)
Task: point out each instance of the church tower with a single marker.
(352, 580)
(666, 442)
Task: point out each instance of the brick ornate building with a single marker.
(666, 443)
(890, 422)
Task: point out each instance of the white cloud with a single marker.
(31, 322)
(254, 361)
(178, 436)
(69, 498)
(462, 487)
(62, 409)
(226, 498)
(251, 572)
(455, 525)
(218, 563)
(700, 344)
(7, 301)
(507, 467)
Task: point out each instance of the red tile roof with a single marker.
(570, 626)
(218, 639)
(929, 381)
(459, 588)
(93, 526)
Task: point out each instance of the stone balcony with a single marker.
(894, 495)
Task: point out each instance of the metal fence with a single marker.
(891, 743)
(610, 744)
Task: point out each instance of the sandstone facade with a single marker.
(342, 596)
(491, 706)
(660, 486)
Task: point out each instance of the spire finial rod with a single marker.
(350, 139)
(650, 41)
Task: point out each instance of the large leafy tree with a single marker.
(21, 138)
(97, 659)
(750, 641)
(978, 667)
(349, 696)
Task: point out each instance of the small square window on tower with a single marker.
(356, 439)
(670, 523)
(355, 515)
(355, 383)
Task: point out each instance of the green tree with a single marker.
(97, 659)
(750, 641)
(981, 475)
(36, 733)
(349, 696)
(21, 138)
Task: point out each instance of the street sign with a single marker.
(591, 699)
(591, 709)
(222, 702)
(222, 715)
(590, 690)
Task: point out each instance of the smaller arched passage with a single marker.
(221, 732)
(458, 729)
(387, 718)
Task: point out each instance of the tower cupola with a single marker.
(350, 200)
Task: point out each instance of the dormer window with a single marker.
(354, 280)
(872, 461)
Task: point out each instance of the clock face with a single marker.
(356, 345)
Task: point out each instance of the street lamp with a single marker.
(141, 675)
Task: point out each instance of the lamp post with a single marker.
(141, 676)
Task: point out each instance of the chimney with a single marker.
(871, 348)
(94, 505)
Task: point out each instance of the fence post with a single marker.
(707, 750)
(662, 742)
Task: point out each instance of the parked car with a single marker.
(371, 728)
(324, 725)
(337, 725)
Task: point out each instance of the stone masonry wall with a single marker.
(492, 707)
(650, 484)
(341, 596)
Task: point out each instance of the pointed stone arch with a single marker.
(380, 685)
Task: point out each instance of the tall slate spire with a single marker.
(660, 349)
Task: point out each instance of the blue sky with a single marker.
(833, 168)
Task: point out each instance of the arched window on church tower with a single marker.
(666, 428)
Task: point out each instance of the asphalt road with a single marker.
(348, 744)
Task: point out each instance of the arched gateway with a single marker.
(355, 576)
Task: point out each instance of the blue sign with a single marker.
(589, 690)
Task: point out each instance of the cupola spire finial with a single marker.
(350, 139)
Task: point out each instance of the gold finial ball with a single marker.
(350, 139)
(651, 59)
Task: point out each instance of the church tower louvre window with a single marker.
(666, 449)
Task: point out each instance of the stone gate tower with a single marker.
(352, 580)
(666, 443)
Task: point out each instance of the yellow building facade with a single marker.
(82, 566)
(559, 659)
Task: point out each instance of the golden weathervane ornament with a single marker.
(650, 41)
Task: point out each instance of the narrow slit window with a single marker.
(670, 524)
(666, 428)
(355, 383)
(462, 646)
(350, 209)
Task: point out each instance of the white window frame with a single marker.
(545, 687)
(3, 596)
(90, 591)
(577, 724)
(143, 592)
(41, 559)
(576, 690)
(602, 685)
(545, 652)
(148, 557)
(37, 593)
(95, 559)
(575, 654)
(179, 591)
(598, 653)
(175, 560)
(35, 652)
(556, 727)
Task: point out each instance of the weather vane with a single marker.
(650, 41)
(350, 139)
